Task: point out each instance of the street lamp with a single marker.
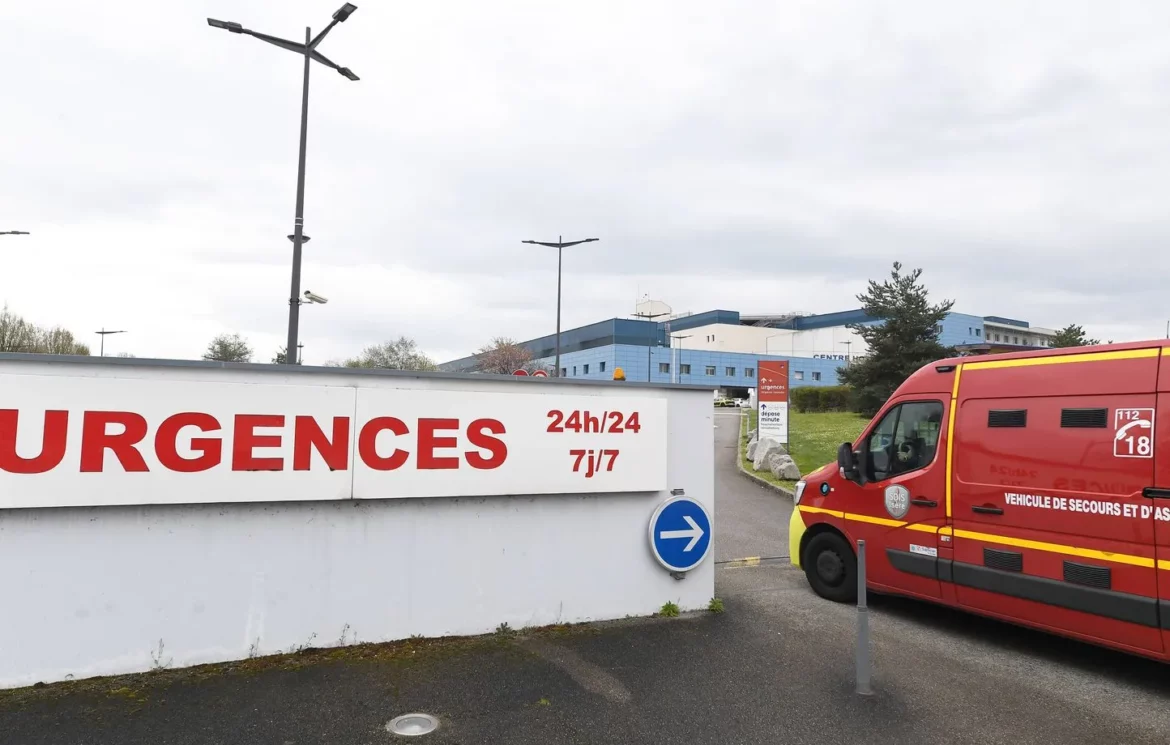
(103, 333)
(677, 361)
(769, 338)
(848, 349)
(309, 50)
(559, 246)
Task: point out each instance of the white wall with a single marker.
(729, 337)
(726, 337)
(100, 590)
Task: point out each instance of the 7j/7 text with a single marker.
(595, 461)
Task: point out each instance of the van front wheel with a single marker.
(831, 567)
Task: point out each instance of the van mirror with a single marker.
(847, 462)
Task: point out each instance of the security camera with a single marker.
(311, 298)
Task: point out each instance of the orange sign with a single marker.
(773, 377)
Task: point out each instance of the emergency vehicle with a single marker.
(1031, 487)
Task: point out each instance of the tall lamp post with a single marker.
(103, 334)
(560, 245)
(848, 349)
(309, 50)
(677, 361)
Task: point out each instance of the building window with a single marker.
(749, 372)
(574, 369)
(601, 366)
(816, 375)
(664, 367)
(585, 369)
(978, 332)
(997, 337)
(729, 372)
(798, 374)
(710, 369)
(564, 372)
(684, 369)
(1015, 340)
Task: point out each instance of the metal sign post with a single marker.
(863, 663)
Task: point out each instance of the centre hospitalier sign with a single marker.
(772, 398)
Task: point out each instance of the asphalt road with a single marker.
(775, 668)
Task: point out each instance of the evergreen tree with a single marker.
(905, 339)
(1072, 335)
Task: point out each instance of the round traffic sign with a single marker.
(520, 372)
(540, 374)
(680, 534)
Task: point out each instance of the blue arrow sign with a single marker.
(680, 534)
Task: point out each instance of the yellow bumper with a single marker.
(795, 533)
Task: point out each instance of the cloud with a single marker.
(749, 155)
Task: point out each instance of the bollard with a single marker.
(863, 663)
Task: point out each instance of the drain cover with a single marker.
(409, 725)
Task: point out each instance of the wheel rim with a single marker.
(830, 568)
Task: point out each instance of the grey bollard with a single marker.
(863, 663)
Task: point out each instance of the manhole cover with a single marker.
(410, 725)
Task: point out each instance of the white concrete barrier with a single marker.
(156, 513)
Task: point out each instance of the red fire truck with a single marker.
(1028, 487)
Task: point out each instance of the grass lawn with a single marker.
(813, 440)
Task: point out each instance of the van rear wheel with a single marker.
(831, 567)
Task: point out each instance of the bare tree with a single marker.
(503, 356)
(399, 354)
(20, 335)
(16, 334)
(229, 348)
(59, 341)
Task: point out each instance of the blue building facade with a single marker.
(642, 348)
(660, 364)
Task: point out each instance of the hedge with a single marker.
(816, 399)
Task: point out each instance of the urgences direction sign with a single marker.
(76, 441)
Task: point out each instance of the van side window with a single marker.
(904, 440)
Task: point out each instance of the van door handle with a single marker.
(920, 502)
(986, 509)
(1153, 492)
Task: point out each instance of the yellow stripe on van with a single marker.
(951, 433)
(875, 520)
(1056, 548)
(821, 511)
(922, 528)
(1129, 354)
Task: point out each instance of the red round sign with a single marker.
(520, 372)
(540, 374)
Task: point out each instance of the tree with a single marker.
(58, 340)
(16, 334)
(905, 340)
(228, 348)
(1072, 335)
(20, 335)
(399, 354)
(503, 356)
(281, 357)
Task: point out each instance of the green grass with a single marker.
(813, 440)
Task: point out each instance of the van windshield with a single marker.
(904, 440)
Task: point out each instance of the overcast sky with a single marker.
(759, 156)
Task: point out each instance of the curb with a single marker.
(752, 476)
